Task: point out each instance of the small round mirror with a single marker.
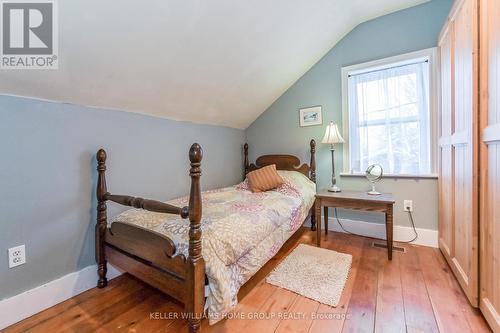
(374, 173)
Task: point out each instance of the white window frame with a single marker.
(402, 59)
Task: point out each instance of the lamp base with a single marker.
(334, 189)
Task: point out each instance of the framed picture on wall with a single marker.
(310, 116)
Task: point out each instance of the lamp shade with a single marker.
(332, 134)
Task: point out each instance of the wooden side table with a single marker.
(359, 201)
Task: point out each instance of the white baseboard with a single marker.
(426, 237)
(28, 303)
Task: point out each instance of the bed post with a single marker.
(245, 149)
(196, 275)
(312, 176)
(101, 225)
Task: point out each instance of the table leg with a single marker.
(325, 213)
(389, 230)
(318, 225)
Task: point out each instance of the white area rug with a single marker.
(313, 272)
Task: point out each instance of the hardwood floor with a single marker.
(416, 292)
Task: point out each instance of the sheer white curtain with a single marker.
(389, 121)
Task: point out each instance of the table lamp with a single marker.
(332, 136)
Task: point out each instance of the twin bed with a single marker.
(162, 244)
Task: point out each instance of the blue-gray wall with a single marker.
(277, 129)
(48, 177)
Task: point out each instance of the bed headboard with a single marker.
(284, 162)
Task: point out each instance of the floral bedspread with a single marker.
(241, 231)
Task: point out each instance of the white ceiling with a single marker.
(218, 62)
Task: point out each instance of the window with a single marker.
(388, 115)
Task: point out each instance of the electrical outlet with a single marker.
(408, 206)
(17, 256)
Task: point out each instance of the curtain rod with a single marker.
(383, 69)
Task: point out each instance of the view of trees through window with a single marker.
(389, 119)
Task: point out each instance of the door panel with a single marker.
(446, 126)
(489, 298)
(465, 261)
(458, 147)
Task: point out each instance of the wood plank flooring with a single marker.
(415, 292)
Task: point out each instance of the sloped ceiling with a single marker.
(217, 62)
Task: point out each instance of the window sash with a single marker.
(394, 155)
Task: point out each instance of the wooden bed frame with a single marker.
(150, 256)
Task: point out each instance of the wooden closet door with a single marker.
(459, 152)
(464, 261)
(446, 126)
(489, 298)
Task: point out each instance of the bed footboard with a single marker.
(151, 256)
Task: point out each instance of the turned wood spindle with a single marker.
(194, 304)
(312, 175)
(247, 165)
(101, 225)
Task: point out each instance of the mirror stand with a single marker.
(374, 174)
(373, 191)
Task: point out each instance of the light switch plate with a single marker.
(17, 256)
